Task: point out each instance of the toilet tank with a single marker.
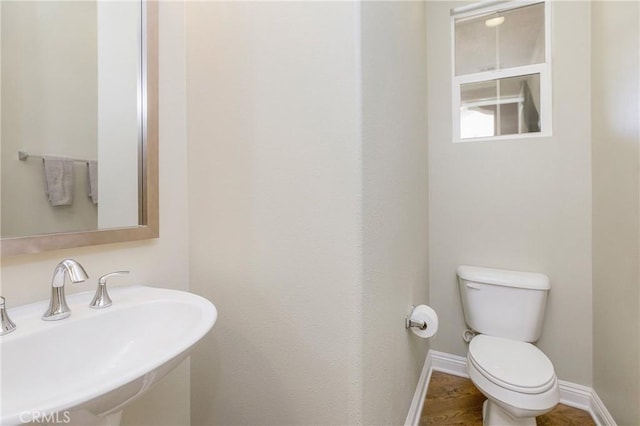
(503, 303)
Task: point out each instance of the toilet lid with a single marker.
(512, 364)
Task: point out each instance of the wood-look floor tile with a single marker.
(453, 400)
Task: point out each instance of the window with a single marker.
(501, 63)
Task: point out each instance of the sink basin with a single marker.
(97, 360)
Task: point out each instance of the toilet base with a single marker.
(494, 415)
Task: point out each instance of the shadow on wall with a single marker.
(208, 364)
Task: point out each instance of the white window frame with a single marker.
(543, 69)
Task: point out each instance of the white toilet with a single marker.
(507, 309)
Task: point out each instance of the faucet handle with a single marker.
(7, 325)
(101, 299)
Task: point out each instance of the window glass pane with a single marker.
(507, 106)
(478, 109)
(521, 36)
(500, 40)
(475, 46)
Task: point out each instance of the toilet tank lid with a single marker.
(502, 277)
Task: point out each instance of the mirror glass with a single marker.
(72, 116)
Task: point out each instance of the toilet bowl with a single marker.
(517, 378)
(505, 309)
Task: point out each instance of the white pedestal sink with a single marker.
(98, 360)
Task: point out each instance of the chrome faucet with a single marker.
(7, 325)
(101, 298)
(58, 308)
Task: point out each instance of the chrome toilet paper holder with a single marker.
(409, 322)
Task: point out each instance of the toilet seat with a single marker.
(513, 365)
(514, 375)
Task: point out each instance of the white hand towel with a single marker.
(58, 181)
(92, 181)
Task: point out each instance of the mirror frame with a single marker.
(148, 182)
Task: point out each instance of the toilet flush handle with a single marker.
(472, 286)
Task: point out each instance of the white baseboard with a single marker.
(413, 417)
(599, 412)
(448, 363)
(434, 361)
(574, 395)
(571, 394)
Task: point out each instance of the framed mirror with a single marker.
(79, 124)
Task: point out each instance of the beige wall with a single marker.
(518, 204)
(46, 121)
(395, 204)
(308, 201)
(274, 194)
(162, 262)
(615, 65)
